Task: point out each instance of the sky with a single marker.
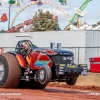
(91, 12)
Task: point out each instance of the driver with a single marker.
(25, 48)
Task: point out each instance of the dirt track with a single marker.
(90, 79)
(86, 88)
(51, 92)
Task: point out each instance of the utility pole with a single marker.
(10, 3)
(9, 16)
(0, 3)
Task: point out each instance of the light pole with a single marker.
(9, 16)
(10, 3)
(0, 3)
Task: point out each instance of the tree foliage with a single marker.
(44, 22)
(94, 25)
(2, 31)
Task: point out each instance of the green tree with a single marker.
(2, 31)
(98, 23)
(44, 22)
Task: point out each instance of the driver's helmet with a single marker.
(26, 46)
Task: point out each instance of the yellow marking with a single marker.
(83, 65)
(71, 66)
(63, 65)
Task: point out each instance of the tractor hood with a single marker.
(64, 52)
(54, 51)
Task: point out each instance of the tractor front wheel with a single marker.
(71, 81)
(44, 75)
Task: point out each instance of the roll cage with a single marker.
(20, 48)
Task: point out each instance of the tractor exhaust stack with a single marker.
(52, 45)
(59, 46)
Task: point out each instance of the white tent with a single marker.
(97, 27)
(86, 26)
(73, 27)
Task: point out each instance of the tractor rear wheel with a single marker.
(10, 71)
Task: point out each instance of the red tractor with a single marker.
(33, 67)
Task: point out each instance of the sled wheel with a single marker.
(71, 81)
(10, 71)
(44, 75)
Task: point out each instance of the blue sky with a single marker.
(91, 12)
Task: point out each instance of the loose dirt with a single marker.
(53, 91)
(90, 79)
(86, 88)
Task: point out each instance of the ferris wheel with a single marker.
(27, 25)
(39, 2)
(78, 14)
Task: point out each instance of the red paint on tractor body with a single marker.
(21, 60)
(41, 58)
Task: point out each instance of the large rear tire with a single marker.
(11, 71)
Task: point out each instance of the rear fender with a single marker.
(21, 60)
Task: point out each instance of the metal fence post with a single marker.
(78, 55)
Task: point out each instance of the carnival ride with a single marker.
(28, 23)
(63, 2)
(3, 18)
(79, 13)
